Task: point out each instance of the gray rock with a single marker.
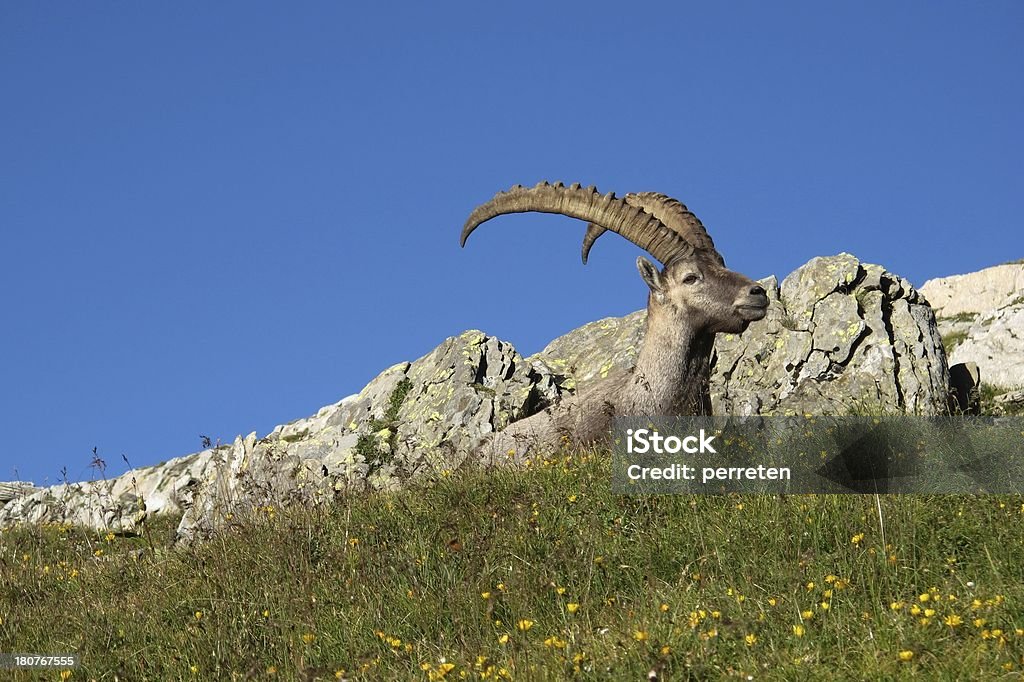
(414, 419)
(995, 341)
(981, 320)
(975, 292)
(590, 352)
(117, 504)
(840, 337)
(12, 489)
(1010, 400)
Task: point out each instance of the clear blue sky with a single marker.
(218, 217)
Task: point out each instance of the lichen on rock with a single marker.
(840, 337)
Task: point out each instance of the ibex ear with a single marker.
(650, 274)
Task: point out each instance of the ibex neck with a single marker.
(672, 371)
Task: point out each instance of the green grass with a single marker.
(369, 445)
(961, 317)
(952, 340)
(988, 393)
(480, 570)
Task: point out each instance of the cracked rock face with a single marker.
(118, 504)
(840, 337)
(414, 419)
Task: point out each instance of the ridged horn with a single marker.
(672, 212)
(605, 211)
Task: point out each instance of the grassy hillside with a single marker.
(537, 574)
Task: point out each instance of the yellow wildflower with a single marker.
(524, 624)
(553, 642)
(906, 655)
(441, 671)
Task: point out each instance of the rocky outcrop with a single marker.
(118, 504)
(415, 419)
(841, 337)
(995, 342)
(981, 320)
(975, 292)
(12, 489)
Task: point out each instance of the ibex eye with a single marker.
(690, 278)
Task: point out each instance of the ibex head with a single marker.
(694, 285)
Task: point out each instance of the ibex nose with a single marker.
(757, 290)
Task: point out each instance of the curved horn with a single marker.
(605, 211)
(672, 212)
(593, 232)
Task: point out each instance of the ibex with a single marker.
(691, 299)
